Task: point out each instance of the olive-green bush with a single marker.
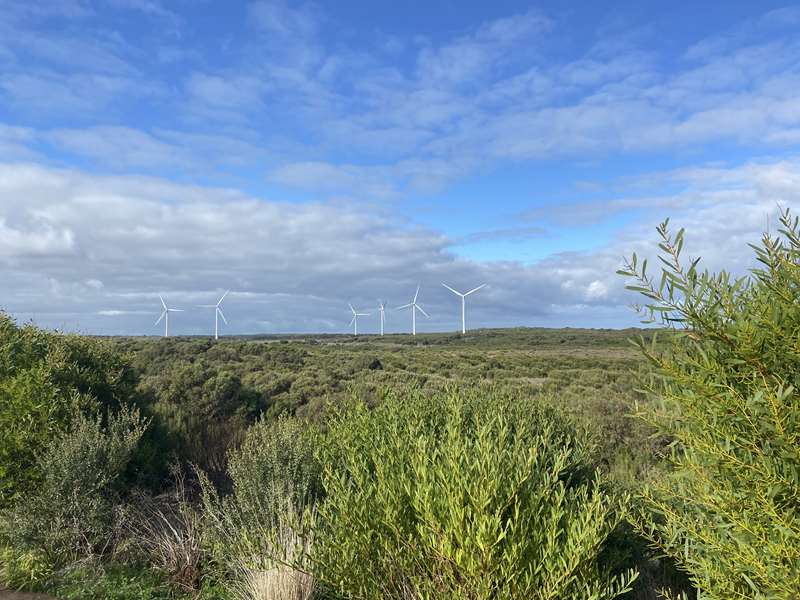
(728, 391)
(461, 495)
(47, 379)
(274, 465)
(70, 514)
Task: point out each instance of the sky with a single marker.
(309, 155)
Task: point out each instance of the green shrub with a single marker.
(45, 380)
(728, 390)
(118, 582)
(255, 533)
(203, 407)
(461, 495)
(275, 464)
(70, 514)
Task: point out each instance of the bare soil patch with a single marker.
(8, 595)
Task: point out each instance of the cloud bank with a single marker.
(93, 252)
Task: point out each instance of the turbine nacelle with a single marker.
(354, 320)
(217, 313)
(463, 303)
(382, 309)
(414, 308)
(165, 315)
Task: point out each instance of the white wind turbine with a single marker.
(165, 315)
(217, 313)
(414, 308)
(463, 304)
(382, 309)
(354, 321)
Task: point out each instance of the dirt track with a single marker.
(6, 595)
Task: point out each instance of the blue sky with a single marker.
(310, 154)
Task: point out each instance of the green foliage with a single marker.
(461, 495)
(204, 409)
(70, 514)
(24, 569)
(200, 397)
(274, 465)
(45, 379)
(585, 372)
(122, 582)
(274, 477)
(728, 387)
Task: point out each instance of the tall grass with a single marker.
(165, 532)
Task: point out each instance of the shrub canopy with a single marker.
(727, 388)
(461, 495)
(47, 379)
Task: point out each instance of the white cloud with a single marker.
(38, 240)
(46, 92)
(277, 17)
(120, 147)
(298, 88)
(297, 266)
(225, 92)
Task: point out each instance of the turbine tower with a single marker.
(217, 313)
(463, 304)
(354, 321)
(414, 308)
(165, 315)
(382, 309)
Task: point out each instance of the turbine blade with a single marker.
(352, 310)
(223, 297)
(164, 304)
(415, 295)
(160, 318)
(363, 314)
(175, 310)
(422, 311)
(221, 314)
(404, 306)
(452, 290)
(353, 319)
(483, 285)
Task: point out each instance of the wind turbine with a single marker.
(414, 308)
(354, 322)
(165, 315)
(217, 313)
(463, 304)
(382, 309)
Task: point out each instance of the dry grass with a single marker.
(166, 531)
(268, 554)
(281, 582)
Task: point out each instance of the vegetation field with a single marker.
(210, 392)
(500, 465)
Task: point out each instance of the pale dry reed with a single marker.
(275, 567)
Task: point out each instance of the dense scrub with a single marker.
(209, 393)
(45, 381)
(217, 407)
